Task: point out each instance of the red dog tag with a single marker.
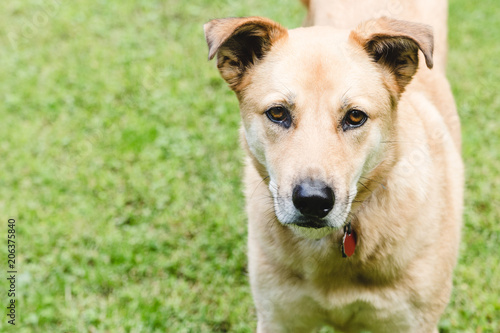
(348, 242)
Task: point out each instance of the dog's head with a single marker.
(319, 107)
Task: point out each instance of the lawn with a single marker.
(121, 166)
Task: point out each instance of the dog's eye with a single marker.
(353, 119)
(279, 115)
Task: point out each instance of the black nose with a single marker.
(313, 198)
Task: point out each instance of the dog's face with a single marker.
(318, 107)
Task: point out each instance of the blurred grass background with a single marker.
(121, 164)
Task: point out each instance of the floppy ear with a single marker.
(394, 44)
(239, 43)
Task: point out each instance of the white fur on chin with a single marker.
(311, 233)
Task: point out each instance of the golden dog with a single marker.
(354, 180)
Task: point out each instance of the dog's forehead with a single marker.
(319, 61)
(320, 54)
(318, 36)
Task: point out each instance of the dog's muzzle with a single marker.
(314, 200)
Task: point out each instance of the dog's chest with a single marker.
(361, 316)
(355, 309)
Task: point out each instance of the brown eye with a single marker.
(353, 119)
(279, 115)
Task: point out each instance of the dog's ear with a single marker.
(239, 43)
(394, 44)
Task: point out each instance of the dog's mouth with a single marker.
(312, 223)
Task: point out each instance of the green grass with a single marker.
(121, 165)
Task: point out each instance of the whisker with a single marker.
(365, 186)
(255, 189)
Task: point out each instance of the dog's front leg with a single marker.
(284, 309)
(266, 327)
(268, 316)
(269, 322)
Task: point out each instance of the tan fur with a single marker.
(398, 178)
